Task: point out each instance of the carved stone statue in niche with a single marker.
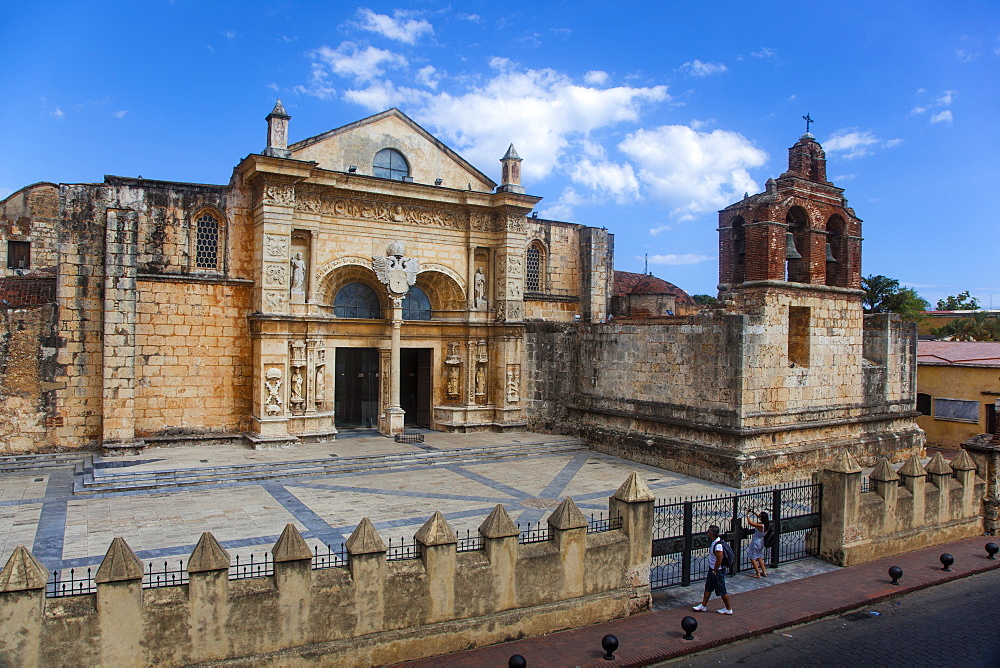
(298, 274)
(481, 381)
(480, 289)
(453, 388)
(453, 361)
(297, 387)
(320, 384)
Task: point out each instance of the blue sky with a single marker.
(642, 117)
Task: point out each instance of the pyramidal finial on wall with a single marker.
(23, 571)
(120, 563)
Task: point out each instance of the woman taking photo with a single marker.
(760, 523)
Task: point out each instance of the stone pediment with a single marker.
(356, 144)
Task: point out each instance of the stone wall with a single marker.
(27, 372)
(368, 612)
(29, 215)
(905, 510)
(714, 395)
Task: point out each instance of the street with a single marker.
(953, 624)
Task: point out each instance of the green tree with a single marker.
(962, 302)
(885, 295)
(705, 300)
(977, 327)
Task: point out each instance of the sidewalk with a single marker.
(657, 636)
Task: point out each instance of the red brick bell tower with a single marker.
(798, 231)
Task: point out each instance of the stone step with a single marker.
(91, 481)
(13, 463)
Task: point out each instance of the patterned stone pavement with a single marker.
(40, 511)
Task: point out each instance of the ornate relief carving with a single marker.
(274, 302)
(275, 246)
(510, 311)
(513, 383)
(513, 288)
(272, 402)
(514, 265)
(516, 222)
(274, 274)
(395, 270)
(278, 193)
(310, 202)
(483, 222)
(386, 212)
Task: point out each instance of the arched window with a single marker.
(534, 268)
(837, 266)
(206, 242)
(416, 305)
(357, 300)
(390, 164)
(739, 249)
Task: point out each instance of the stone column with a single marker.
(438, 552)
(119, 606)
(841, 501)
(987, 459)
(885, 480)
(569, 533)
(500, 543)
(119, 303)
(293, 580)
(22, 608)
(395, 413)
(368, 569)
(940, 475)
(633, 502)
(208, 598)
(965, 473)
(915, 479)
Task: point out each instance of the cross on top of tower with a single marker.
(808, 119)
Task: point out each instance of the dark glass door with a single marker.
(356, 392)
(415, 385)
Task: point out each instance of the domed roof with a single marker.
(628, 283)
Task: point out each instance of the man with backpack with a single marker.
(720, 557)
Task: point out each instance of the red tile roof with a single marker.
(959, 353)
(26, 291)
(628, 283)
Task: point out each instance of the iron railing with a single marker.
(680, 544)
(74, 585)
(256, 567)
(402, 550)
(330, 558)
(164, 576)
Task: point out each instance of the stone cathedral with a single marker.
(370, 278)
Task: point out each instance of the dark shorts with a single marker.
(716, 582)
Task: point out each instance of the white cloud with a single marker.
(229, 34)
(855, 143)
(474, 18)
(596, 77)
(943, 116)
(844, 177)
(764, 52)
(564, 207)
(661, 228)
(120, 114)
(698, 124)
(398, 26)
(696, 68)
(58, 114)
(693, 171)
(541, 111)
(381, 95)
(428, 76)
(351, 60)
(613, 179)
(671, 259)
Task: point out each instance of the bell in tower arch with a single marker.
(791, 253)
(829, 253)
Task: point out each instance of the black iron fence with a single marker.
(680, 544)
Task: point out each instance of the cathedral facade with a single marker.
(369, 277)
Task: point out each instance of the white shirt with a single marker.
(714, 549)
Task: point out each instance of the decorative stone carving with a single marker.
(274, 275)
(397, 272)
(275, 246)
(274, 302)
(272, 404)
(388, 212)
(297, 397)
(276, 193)
(516, 222)
(513, 384)
(510, 311)
(453, 361)
(483, 222)
(320, 392)
(481, 381)
(453, 384)
(514, 265)
(481, 351)
(513, 288)
(298, 274)
(309, 202)
(298, 353)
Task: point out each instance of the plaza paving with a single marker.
(39, 509)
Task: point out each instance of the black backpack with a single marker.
(769, 537)
(728, 556)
